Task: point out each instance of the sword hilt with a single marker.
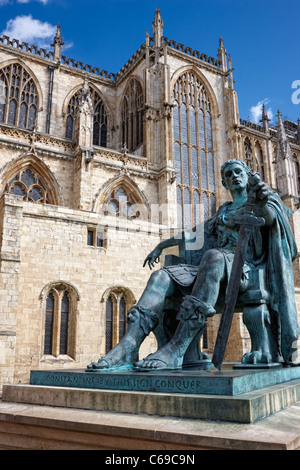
(254, 178)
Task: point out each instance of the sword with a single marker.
(246, 221)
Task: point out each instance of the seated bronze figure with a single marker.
(179, 297)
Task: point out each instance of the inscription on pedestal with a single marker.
(230, 382)
(118, 382)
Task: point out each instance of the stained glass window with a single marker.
(59, 321)
(49, 324)
(193, 150)
(28, 184)
(18, 97)
(248, 154)
(64, 323)
(259, 160)
(116, 308)
(132, 116)
(109, 325)
(120, 203)
(122, 318)
(100, 124)
(100, 118)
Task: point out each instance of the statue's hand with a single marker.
(262, 193)
(152, 258)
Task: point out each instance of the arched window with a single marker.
(118, 301)
(59, 324)
(122, 317)
(121, 203)
(193, 151)
(100, 118)
(30, 185)
(259, 160)
(132, 116)
(109, 325)
(64, 323)
(18, 97)
(48, 340)
(248, 154)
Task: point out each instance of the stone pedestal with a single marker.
(129, 410)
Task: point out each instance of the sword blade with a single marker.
(231, 296)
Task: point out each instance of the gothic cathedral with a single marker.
(95, 169)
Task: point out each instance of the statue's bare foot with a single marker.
(165, 358)
(121, 356)
(257, 357)
(126, 353)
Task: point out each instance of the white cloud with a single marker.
(256, 111)
(44, 2)
(27, 29)
(10, 2)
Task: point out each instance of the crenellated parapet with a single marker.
(189, 51)
(25, 47)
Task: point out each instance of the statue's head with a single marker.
(232, 161)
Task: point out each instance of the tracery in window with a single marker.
(118, 301)
(59, 323)
(18, 97)
(259, 160)
(100, 118)
(248, 154)
(121, 203)
(132, 116)
(193, 151)
(30, 185)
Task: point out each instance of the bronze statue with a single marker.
(194, 288)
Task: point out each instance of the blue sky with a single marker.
(262, 37)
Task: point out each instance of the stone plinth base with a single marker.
(52, 428)
(242, 408)
(36, 416)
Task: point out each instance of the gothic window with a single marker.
(64, 321)
(122, 318)
(248, 154)
(109, 325)
(132, 116)
(49, 324)
(259, 160)
(71, 114)
(116, 307)
(297, 168)
(100, 118)
(121, 203)
(59, 321)
(18, 97)
(100, 124)
(29, 184)
(193, 151)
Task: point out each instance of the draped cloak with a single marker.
(275, 246)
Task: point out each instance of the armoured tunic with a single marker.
(227, 235)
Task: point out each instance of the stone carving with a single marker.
(184, 293)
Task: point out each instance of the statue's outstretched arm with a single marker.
(152, 258)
